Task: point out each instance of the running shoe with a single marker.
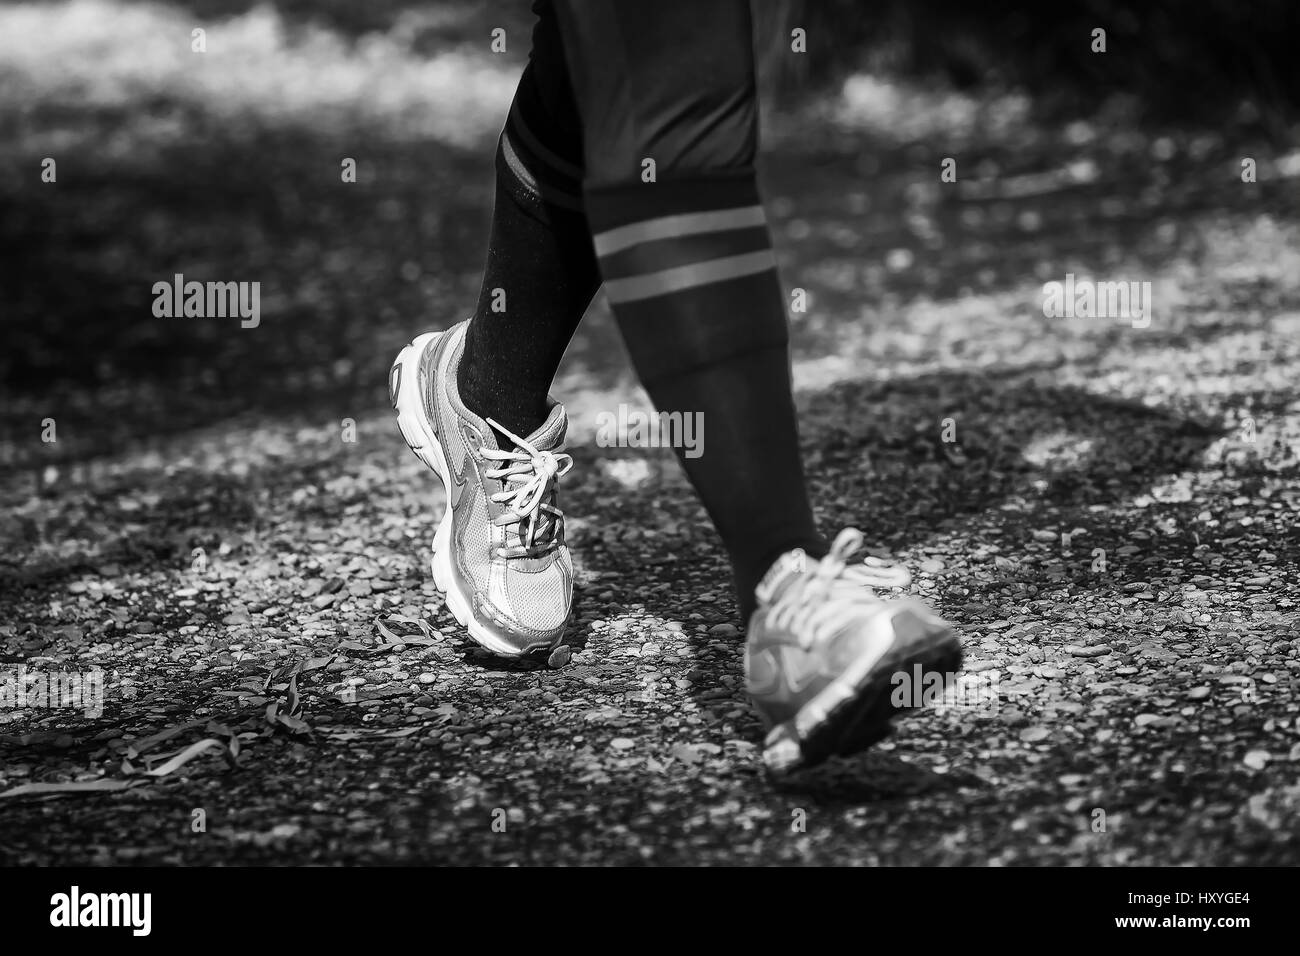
(826, 654)
(499, 554)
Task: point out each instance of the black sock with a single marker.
(689, 270)
(539, 277)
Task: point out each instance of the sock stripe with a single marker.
(519, 168)
(669, 227)
(660, 254)
(688, 276)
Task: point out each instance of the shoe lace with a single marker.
(529, 476)
(820, 603)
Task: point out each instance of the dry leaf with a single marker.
(293, 723)
(39, 737)
(81, 787)
(137, 747)
(358, 646)
(185, 756)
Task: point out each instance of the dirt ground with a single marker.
(229, 529)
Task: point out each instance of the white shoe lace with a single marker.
(528, 477)
(818, 604)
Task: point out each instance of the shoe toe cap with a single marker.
(529, 610)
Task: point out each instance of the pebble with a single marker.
(686, 754)
(1198, 693)
(560, 656)
(724, 630)
(1096, 650)
(1256, 759)
(622, 743)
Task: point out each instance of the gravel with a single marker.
(1120, 560)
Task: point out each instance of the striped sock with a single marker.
(538, 279)
(690, 272)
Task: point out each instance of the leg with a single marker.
(540, 273)
(686, 255)
(472, 401)
(688, 266)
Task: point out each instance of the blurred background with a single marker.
(226, 166)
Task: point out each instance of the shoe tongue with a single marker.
(549, 436)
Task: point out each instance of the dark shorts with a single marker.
(612, 83)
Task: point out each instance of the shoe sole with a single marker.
(417, 432)
(854, 711)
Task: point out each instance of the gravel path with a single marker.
(1115, 526)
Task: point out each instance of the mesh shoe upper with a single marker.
(818, 620)
(507, 533)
